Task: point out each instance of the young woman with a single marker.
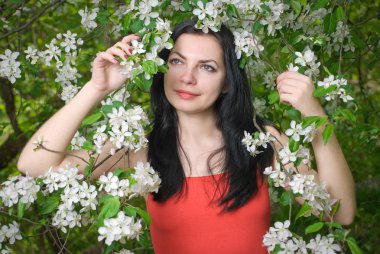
(213, 197)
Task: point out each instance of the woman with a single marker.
(212, 198)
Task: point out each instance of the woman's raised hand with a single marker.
(297, 89)
(106, 76)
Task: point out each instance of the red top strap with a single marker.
(193, 224)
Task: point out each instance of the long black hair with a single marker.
(234, 114)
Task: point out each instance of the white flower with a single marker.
(204, 10)
(147, 180)
(32, 54)
(19, 189)
(324, 245)
(295, 130)
(253, 144)
(246, 42)
(11, 232)
(70, 42)
(137, 47)
(9, 67)
(68, 92)
(88, 18)
(77, 141)
(286, 155)
(116, 229)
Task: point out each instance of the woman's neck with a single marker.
(197, 127)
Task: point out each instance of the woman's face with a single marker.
(196, 74)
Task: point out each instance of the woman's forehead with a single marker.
(198, 45)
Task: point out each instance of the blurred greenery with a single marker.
(35, 98)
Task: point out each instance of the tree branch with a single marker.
(32, 20)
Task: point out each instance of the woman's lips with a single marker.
(187, 95)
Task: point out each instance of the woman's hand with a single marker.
(297, 89)
(106, 76)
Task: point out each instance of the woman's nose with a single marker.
(188, 76)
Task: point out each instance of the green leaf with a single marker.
(353, 246)
(321, 91)
(92, 118)
(117, 104)
(106, 109)
(232, 12)
(305, 211)
(296, 5)
(109, 248)
(137, 25)
(103, 17)
(335, 209)
(314, 227)
(110, 208)
(87, 145)
(163, 68)
(286, 198)
(319, 4)
(256, 27)
(146, 84)
(144, 215)
(243, 61)
(309, 120)
(347, 114)
(130, 211)
(327, 133)
(330, 23)
(293, 145)
(340, 15)
(150, 67)
(49, 205)
(127, 20)
(273, 97)
(294, 114)
(20, 209)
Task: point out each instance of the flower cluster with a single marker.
(210, 16)
(9, 233)
(281, 236)
(127, 128)
(9, 66)
(338, 39)
(296, 131)
(254, 143)
(246, 42)
(114, 186)
(339, 91)
(303, 185)
(308, 59)
(287, 156)
(147, 180)
(119, 228)
(19, 189)
(64, 46)
(272, 20)
(88, 18)
(76, 193)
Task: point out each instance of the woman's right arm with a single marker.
(58, 131)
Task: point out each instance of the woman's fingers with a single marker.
(104, 56)
(127, 39)
(117, 52)
(293, 75)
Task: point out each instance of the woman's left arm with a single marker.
(297, 89)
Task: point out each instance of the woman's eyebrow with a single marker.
(201, 61)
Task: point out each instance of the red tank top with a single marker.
(193, 224)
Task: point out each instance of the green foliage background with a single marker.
(25, 105)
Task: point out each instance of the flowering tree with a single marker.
(310, 37)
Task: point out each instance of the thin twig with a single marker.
(32, 20)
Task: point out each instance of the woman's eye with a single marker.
(208, 68)
(175, 61)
